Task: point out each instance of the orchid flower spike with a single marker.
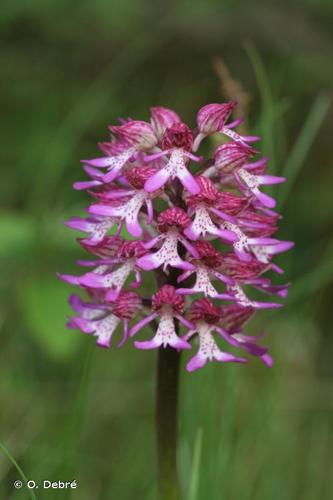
(204, 228)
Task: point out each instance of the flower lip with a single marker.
(178, 136)
(208, 254)
(208, 193)
(137, 176)
(204, 310)
(130, 249)
(173, 217)
(167, 296)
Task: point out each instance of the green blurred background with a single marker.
(72, 411)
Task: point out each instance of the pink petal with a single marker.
(188, 181)
(266, 200)
(133, 227)
(226, 357)
(267, 360)
(270, 179)
(79, 224)
(85, 325)
(198, 361)
(148, 262)
(92, 280)
(148, 344)
(72, 280)
(157, 180)
(111, 175)
(192, 232)
(79, 186)
(141, 324)
(227, 235)
(99, 162)
(103, 210)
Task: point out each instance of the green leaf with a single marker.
(45, 307)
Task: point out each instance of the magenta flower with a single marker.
(132, 137)
(96, 227)
(212, 119)
(233, 320)
(126, 204)
(162, 119)
(106, 277)
(102, 318)
(207, 268)
(170, 224)
(207, 317)
(204, 228)
(230, 156)
(176, 145)
(168, 306)
(206, 217)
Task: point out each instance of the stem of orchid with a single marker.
(167, 388)
(166, 422)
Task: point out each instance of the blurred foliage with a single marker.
(73, 411)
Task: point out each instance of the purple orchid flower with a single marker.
(106, 277)
(206, 317)
(202, 206)
(163, 119)
(133, 137)
(101, 320)
(96, 227)
(233, 319)
(206, 267)
(170, 224)
(166, 305)
(126, 204)
(211, 118)
(176, 143)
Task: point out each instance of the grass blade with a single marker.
(313, 281)
(18, 468)
(268, 108)
(304, 143)
(195, 474)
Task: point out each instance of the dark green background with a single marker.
(70, 410)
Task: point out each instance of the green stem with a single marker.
(167, 394)
(166, 422)
(18, 468)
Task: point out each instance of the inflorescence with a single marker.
(202, 227)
